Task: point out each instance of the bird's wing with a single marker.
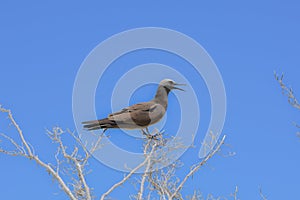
(137, 114)
(146, 106)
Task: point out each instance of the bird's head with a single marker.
(170, 84)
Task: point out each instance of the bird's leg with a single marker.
(103, 133)
(147, 130)
(157, 134)
(150, 135)
(104, 130)
(144, 133)
(147, 134)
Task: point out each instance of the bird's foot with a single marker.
(148, 135)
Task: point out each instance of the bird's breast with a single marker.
(157, 113)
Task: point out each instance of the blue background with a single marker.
(43, 45)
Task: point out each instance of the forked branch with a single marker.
(197, 167)
(81, 189)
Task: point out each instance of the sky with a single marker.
(44, 44)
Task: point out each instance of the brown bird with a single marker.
(138, 116)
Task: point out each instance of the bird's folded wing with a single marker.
(136, 107)
(136, 114)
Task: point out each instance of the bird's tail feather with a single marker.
(99, 124)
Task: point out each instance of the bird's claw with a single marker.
(149, 136)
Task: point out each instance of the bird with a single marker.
(140, 115)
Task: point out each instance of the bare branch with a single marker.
(94, 148)
(148, 166)
(10, 116)
(263, 197)
(128, 175)
(234, 195)
(30, 155)
(57, 132)
(12, 153)
(18, 147)
(287, 91)
(197, 167)
(161, 190)
(56, 176)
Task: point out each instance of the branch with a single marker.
(10, 116)
(30, 155)
(128, 175)
(197, 167)
(263, 197)
(55, 175)
(18, 147)
(93, 149)
(55, 136)
(287, 91)
(234, 195)
(162, 190)
(148, 166)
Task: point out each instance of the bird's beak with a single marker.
(177, 88)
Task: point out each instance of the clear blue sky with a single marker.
(44, 44)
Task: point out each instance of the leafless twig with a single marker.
(234, 195)
(197, 167)
(290, 94)
(263, 197)
(129, 174)
(288, 91)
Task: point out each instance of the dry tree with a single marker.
(70, 169)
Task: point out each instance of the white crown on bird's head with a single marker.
(170, 84)
(167, 82)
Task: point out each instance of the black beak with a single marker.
(177, 88)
